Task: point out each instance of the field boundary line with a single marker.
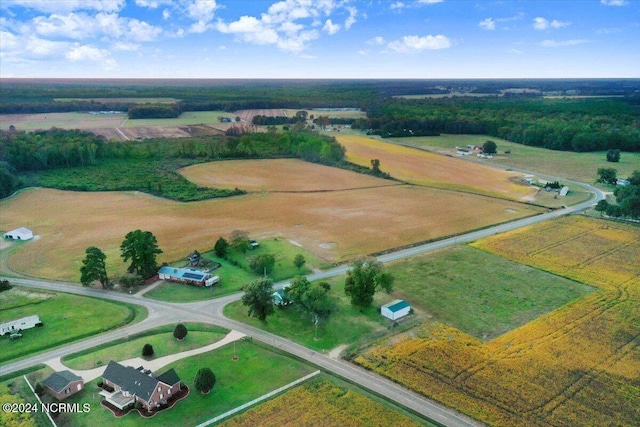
(39, 401)
(258, 400)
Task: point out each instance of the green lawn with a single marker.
(479, 293)
(161, 339)
(66, 318)
(256, 372)
(581, 167)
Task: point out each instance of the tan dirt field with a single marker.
(277, 175)
(30, 122)
(430, 169)
(334, 225)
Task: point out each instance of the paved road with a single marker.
(211, 311)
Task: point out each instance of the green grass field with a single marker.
(481, 294)
(256, 372)
(161, 339)
(187, 118)
(577, 166)
(66, 318)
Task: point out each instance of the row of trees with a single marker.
(365, 278)
(139, 247)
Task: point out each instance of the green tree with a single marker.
(311, 297)
(5, 285)
(204, 380)
(489, 147)
(602, 206)
(180, 332)
(607, 176)
(221, 247)
(239, 240)
(262, 264)
(147, 350)
(364, 279)
(258, 297)
(94, 268)
(299, 261)
(141, 247)
(613, 155)
(375, 166)
(130, 280)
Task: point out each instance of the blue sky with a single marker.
(319, 39)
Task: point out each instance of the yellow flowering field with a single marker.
(320, 403)
(578, 365)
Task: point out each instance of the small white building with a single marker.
(395, 309)
(563, 191)
(22, 233)
(20, 324)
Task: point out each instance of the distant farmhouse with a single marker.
(395, 309)
(131, 386)
(63, 384)
(190, 276)
(20, 324)
(22, 233)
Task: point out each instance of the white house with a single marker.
(22, 233)
(395, 309)
(189, 276)
(20, 324)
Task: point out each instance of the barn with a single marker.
(22, 233)
(395, 309)
(190, 276)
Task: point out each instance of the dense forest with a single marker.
(76, 160)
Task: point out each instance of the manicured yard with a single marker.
(481, 294)
(161, 339)
(256, 372)
(66, 318)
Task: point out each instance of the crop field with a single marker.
(31, 122)
(289, 175)
(434, 170)
(322, 403)
(577, 166)
(334, 225)
(579, 362)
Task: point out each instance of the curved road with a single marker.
(211, 311)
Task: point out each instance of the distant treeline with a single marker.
(277, 120)
(558, 124)
(78, 160)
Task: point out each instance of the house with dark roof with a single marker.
(63, 384)
(138, 385)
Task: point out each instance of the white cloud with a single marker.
(612, 30)
(540, 24)
(410, 44)
(152, 4)
(73, 25)
(614, 2)
(166, 14)
(378, 40)
(85, 52)
(66, 6)
(351, 19)
(330, 27)
(514, 51)
(487, 24)
(125, 46)
(563, 43)
(397, 5)
(430, 1)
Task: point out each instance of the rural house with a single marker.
(22, 233)
(63, 384)
(20, 324)
(395, 309)
(190, 276)
(131, 386)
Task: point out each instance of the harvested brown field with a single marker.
(433, 170)
(289, 175)
(31, 122)
(334, 225)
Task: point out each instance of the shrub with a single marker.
(5, 285)
(205, 380)
(147, 350)
(180, 331)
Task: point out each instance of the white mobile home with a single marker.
(20, 324)
(395, 309)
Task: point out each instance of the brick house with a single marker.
(138, 385)
(63, 384)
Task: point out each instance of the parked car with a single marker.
(15, 335)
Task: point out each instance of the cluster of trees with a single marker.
(627, 196)
(155, 111)
(276, 120)
(139, 247)
(570, 125)
(365, 278)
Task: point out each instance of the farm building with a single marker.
(20, 324)
(131, 386)
(190, 276)
(22, 233)
(395, 309)
(63, 384)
